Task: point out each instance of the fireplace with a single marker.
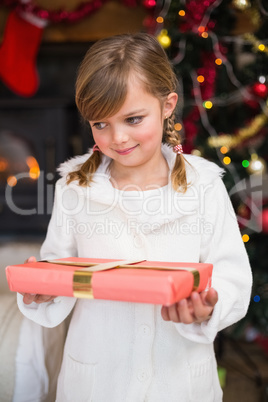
(36, 135)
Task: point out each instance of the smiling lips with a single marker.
(125, 151)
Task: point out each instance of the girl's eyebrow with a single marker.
(135, 112)
(132, 113)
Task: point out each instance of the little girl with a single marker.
(135, 196)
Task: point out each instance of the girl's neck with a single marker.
(141, 177)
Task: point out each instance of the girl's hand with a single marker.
(197, 308)
(28, 298)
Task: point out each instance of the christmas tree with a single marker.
(219, 50)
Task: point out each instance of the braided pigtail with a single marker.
(173, 138)
(86, 171)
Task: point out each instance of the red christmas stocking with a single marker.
(18, 53)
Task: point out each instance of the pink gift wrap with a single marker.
(152, 282)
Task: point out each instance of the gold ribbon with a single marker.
(245, 133)
(82, 287)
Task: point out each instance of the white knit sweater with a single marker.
(125, 352)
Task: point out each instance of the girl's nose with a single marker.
(119, 135)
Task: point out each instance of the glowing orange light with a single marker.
(200, 78)
(201, 29)
(178, 126)
(245, 238)
(3, 164)
(31, 161)
(224, 150)
(204, 35)
(34, 170)
(181, 13)
(159, 20)
(218, 62)
(12, 181)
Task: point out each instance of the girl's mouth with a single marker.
(125, 151)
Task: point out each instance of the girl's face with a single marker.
(132, 137)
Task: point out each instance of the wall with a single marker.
(112, 18)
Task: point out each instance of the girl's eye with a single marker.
(134, 120)
(99, 125)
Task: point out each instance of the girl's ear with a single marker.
(170, 104)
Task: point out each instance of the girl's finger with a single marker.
(43, 298)
(30, 259)
(173, 313)
(28, 298)
(184, 312)
(164, 313)
(211, 297)
(201, 310)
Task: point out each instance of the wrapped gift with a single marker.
(134, 281)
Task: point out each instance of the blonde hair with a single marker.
(102, 84)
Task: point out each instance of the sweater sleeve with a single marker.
(232, 277)
(59, 243)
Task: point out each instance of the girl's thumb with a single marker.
(31, 259)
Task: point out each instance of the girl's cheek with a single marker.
(98, 138)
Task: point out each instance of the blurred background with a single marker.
(219, 49)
